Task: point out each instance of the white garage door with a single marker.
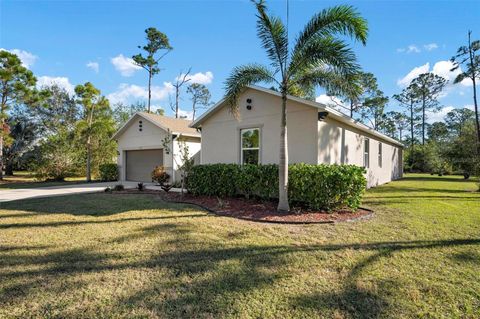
(140, 164)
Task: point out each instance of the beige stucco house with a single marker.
(148, 140)
(316, 134)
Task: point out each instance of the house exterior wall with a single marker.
(151, 137)
(194, 146)
(342, 144)
(221, 131)
(309, 140)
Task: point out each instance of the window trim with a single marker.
(380, 154)
(259, 148)
(366, 153)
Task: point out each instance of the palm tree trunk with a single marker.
(283, 205)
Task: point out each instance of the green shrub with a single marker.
(326, 187)
(159, 175)
(109, 172)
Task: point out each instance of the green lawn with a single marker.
(110, 255)
(22, 180)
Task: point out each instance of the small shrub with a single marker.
(159, 175)
(119, 187)
(109, 172)
(140, 187)
(322, 186)
(108, 190)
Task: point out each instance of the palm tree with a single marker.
(318, 58)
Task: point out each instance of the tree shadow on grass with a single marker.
(210, 286)
(98, 204)
(201, 277)
(467, 257)
(385, 189)
(433, 178)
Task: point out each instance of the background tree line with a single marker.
(448, 146)
(57, 134)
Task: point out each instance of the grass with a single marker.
(107, 255)
(21, 180)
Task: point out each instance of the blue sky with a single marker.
(57, 39)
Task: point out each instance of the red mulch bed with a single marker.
(265, 211)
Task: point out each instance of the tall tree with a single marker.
(96, 120)
(200, 97)
(156, 43)
(17, 86)
(437, 132)
(407, 98)
(468, 57)
(180, 80)
(427, 87)
(401, 122)
(363, 87)
(57, 112)
(123, 112)
(24, 133)
(457, 119)
(372, 112)
(318, 58)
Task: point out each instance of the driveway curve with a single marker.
(9, 195)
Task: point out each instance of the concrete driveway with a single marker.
(8, 195)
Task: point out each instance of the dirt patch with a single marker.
(262, 211)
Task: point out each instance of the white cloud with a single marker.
(439, 116)
(128, 92)
(200, 78)
(410, 49)
(28, 59)
(62, 82)
(441, 68)
(93, 65)
(413, 49)
(124, 65)
(333, 102)
(430, 46)
(405, 81)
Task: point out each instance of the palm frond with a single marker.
(241, 77)
(273, 35)
(334, 82)
(325, 51)
(338, 20)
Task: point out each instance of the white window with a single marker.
(380, 154)
(366, 153)
(250, 146)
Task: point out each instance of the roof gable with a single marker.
(175, 126)
(339, 116)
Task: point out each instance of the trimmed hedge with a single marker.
(327, 187)
(108, 172)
